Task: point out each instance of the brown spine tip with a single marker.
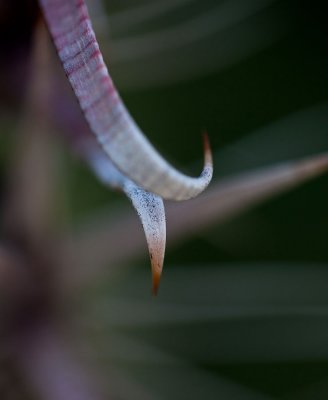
(156, 279)
(156, 269)
(207, 149)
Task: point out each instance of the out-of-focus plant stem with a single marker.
(46, 361)
(29, 310)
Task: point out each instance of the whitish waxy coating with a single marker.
(149, 206)
(124, 143)
(150, 209)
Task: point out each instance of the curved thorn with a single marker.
(150, 208)
(109, 120)
(226, 199)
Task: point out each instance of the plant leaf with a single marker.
(149, 207)
(129, 150)
(224, 200)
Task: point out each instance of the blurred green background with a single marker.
(242, 311)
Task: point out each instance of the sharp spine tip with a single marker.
(207, 149)
(156, 279)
